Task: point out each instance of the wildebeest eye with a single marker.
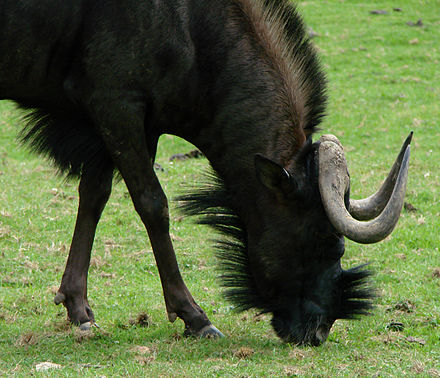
(331, 244)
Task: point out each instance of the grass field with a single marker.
(384, 81)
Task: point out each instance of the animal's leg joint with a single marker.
(59, 298)
(172, 316)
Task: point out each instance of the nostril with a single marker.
(322, 334)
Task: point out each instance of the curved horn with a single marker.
(371, 207)
(333, 184)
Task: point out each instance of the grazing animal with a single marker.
(102, 80)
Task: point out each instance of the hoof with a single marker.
(59, 298)
(210, 332)
(207, 332)
(85, 326)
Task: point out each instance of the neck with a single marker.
(257, 97)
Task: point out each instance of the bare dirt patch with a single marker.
(142, 320)
(82, 335)
(416, 340)
(27, 339)
(405, 306)
(418, 367)
(144, 355)
(436, 273)
(195, 154)
(293, 371)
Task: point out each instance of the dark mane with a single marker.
(212, 202)
(281, 33)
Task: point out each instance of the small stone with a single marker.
(85, 326)
(44, 366)
(312, 33)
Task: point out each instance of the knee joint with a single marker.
(154, 209)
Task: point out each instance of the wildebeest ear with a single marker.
(272, 175)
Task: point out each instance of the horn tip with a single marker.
(407, 153)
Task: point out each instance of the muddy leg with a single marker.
(94, 192)
(129, 150)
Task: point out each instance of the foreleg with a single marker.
(124, 135)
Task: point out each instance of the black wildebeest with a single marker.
(102, 80)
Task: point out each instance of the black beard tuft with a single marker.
(357, 294)
(213, 202)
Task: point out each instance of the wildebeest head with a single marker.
(295, 259)
(289, 265)
(286, 258)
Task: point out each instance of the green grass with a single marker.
(384, 80)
